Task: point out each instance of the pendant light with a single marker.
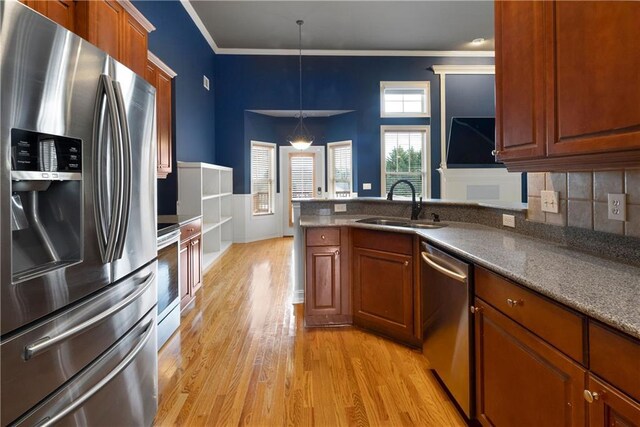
(301, 139)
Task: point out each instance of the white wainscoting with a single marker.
(481, 185)
(249, 228)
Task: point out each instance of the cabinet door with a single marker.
(195, 248)
(520, 129)
(134, 47)
(609, 407)
(322, 287)
(164, 125)
(60, 11)
(593, 83)
(185, 275)
(521, 380)
(383, 292)
(100, 22)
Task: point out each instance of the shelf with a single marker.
(224, 219)
(226, 194)
(208, 227)
(208, 258)
(211, 196)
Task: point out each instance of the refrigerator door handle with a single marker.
(78, 402)
(45, 343)
(106, 104)
(126, 170)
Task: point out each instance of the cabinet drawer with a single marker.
(615, 358)
(190, 229)
(399, 243)
(557, 325)
(329, 236)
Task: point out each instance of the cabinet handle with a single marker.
(590, 396)
(475, 310)
(406, 263)
(337, 253)
(514, 302)
(322, 237)
(190, 229)
(495, 152)
(195, 242)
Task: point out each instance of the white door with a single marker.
(302, 176)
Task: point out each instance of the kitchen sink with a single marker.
(399, 222)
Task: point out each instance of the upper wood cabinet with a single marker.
(116, 27)
(60, 11)
(567, 85)
(160, 76)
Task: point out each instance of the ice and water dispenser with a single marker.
(46, 203)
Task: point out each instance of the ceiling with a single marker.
(349, 25)
(305, 113)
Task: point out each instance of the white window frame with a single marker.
(426, 156)
(330, 178)
(424, 85)
(272, 199)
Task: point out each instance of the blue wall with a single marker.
(330, 83)
(179, 44)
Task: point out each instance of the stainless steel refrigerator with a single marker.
(77, 230)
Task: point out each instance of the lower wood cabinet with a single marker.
(190, 262)
(609, 407)
(327, 284)
(521, 380)
(383, 284)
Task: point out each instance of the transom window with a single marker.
(263, 184)
(404, 99)
(340, 169)
(404, 156)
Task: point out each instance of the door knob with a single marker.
(590, 396)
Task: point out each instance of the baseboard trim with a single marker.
(298, 297)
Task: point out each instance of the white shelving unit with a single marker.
(206, 189)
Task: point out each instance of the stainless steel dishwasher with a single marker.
(447, 296)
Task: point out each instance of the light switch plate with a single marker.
(340, 207)
(509, 220)
(550, 201)
(617, 207)
(366, 186)
(205, 82)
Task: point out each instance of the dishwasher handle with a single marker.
(431, 260)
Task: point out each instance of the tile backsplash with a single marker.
(583, 199)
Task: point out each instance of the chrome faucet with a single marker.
(415, 207)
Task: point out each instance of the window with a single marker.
(404, 99)
(405, 156)
(263, 165)
(340, 169)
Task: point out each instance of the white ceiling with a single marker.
(349, 25)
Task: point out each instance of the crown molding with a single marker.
(203, 30)
(160, 64)
(463, 69)
(330, 52)
(137, 15)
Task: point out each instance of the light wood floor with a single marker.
(243, 357)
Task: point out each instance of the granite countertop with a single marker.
(178, 219)
(606, 290)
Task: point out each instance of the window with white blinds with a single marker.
(301, 168)
(340, 169)
(263, 165)
(404, 99)
(404, 157)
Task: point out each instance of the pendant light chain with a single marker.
(301, 138)
(300, 22)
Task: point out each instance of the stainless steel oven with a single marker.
(168, 286)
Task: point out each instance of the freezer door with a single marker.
(136, 241)
(118, 389)
(48, 83)
(39, 360)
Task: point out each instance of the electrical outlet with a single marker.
(509, 220)
(366, 186)
(205, 82)
(617, 207)
(340, 207)
(550, 201)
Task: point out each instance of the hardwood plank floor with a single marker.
(243, 357)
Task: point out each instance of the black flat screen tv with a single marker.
(471, 141)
